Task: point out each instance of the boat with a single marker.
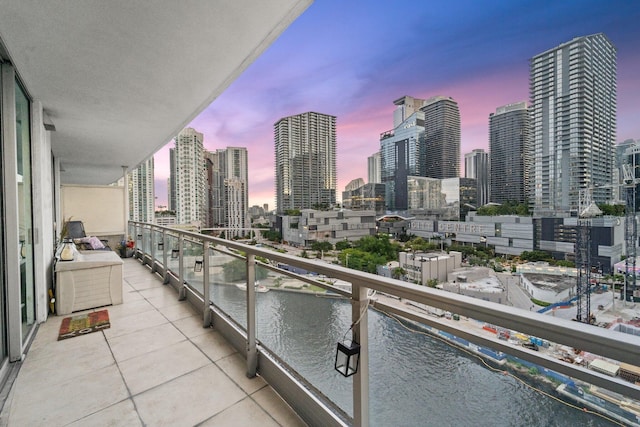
(259, 288)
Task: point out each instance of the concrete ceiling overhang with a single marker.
(119, 79)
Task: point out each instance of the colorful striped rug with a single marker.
(83, 324)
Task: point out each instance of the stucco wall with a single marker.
(100, 208)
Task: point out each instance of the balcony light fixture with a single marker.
(160, 246)
(347, 358)
(197, 267)
(139, 236)
(348, 351)
(175, 253)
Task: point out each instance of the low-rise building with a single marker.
(476, 282)
(327, 226)
(420, 267)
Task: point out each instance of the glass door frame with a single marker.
(11, 279)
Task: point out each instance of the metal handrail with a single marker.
(610, 344)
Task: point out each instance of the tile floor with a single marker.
(155, 366)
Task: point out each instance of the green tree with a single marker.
(272, 236)
(236, 270)
(322, 246)
(398, 273)
(535, 256)
(380, 245)
(613, 210)
(342, 245)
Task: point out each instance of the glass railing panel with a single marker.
(302, 324)
(227, 277)
(193, 264)
(146, 240)
(173, 251)
(158, 250)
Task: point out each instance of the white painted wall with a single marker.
(100, 208)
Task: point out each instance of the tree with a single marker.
(322, 246)
(398, 273)
(380, 245)
(272, 236)
(613, 210)
(535, 256)
(342, 245)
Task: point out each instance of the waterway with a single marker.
(415, 379)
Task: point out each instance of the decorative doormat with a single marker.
(83, 324)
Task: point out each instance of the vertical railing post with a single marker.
(206, 292)
(182, 294)
(359, 316)
(252, 352)
(165, 261)
(152, 248)
(135, 237)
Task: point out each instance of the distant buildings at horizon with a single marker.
(541, 152)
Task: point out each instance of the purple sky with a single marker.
(351, 59)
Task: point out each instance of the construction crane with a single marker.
(630, 231)
(587, 210)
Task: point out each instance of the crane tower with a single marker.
(630, 231)
(587, 210)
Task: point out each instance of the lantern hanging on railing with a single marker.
(347, 358)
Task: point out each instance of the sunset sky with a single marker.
(351, 59)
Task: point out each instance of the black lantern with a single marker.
(198, 265)
(175, 253)
(160, 246)
(139, 236)
(347, 358)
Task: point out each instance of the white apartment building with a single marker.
(190, 177)
(142, 192)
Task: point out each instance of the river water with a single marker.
(415, 379)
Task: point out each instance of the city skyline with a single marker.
(343, 59)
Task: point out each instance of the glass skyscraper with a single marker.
(573, 106)
(476, 166)
(399, 150)
(305, 154)
(509, 140)
(440, 153)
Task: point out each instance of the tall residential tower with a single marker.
(227, 174)
(440, 152)
(573, 106)
(509, 147)
(141, 192)
(305, 155)
(190, 178)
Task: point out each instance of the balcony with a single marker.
(155, 365)
(169, 358)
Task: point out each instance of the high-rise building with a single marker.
(509, 147)
(305, 157)
(189, 175)
(573, 112)
(399, 148)
(476, 166)
(440, 153)
(227, 177)
(171, 182)
(373, 168)
(141, 192)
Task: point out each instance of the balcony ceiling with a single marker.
(119, 79)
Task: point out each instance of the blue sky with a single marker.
(351, 59)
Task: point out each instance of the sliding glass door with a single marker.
(25, 211)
